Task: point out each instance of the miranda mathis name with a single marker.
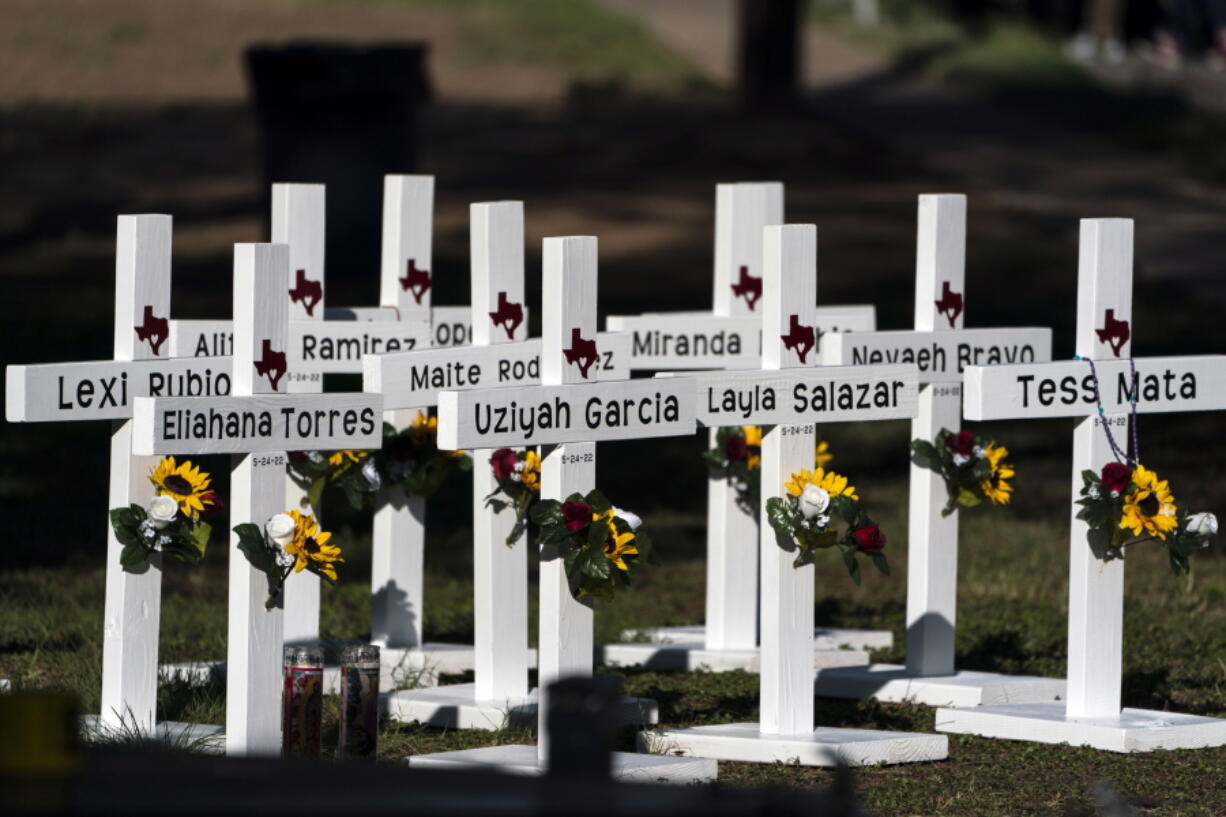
(287, 423)
(597, 413)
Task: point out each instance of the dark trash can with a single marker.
(344, 116)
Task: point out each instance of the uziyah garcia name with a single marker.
(598, 413)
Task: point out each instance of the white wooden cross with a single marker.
(257, 424)
(789, 398)
(571, 411)
(942, 349)
(729, 337)
(1092, 714)
(105, 390)
(326, 340)
(500, 356)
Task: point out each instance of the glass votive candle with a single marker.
(359, 732)
(302, 701)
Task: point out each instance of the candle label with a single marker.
(301, 710)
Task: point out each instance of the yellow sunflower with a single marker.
(822, 455)
(530, 475)
(618, 545)
(830, 482)
(995, 487)
(184, 483)
(423, 428)
(753, 442)
(310, 546)
(1150, 509)
(350, 454)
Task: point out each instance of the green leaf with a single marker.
(924, 454)
(778, 517)
(593, 564)
(853, 566)
(554, 534)
(597, 533)
(968, 499)
(546, 512)
(880, 562)
(131, 556)
(598, 501)
(1089, 477)
(199, 537)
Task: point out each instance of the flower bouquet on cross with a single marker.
(974, 468)
(1128, 504)
(519, 486)
(173, 524)
(603, 547)
(410, 458)
(804, 521)
(288, 543)
(737, 457)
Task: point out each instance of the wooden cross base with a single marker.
(825, 638)
(457, 707)
(201, 737)
(627, 767)
(1133, 730)
(693, 655)
(824, 746)
(894, 684)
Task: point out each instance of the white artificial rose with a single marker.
(162, 511)
(813, 501)
(632, 519)
(961, 460)
(371, 473)
(1202, 525)
(280, 529)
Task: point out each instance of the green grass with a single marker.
(1012, 600)
(586, 40)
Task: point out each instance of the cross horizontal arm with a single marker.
(259, 424)
(105, 389)
(591, 412)
(1066, 388)
(416, 379)
(825, 394)
(700, 340)
(940, 356)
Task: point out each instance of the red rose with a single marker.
(1116, 477)
(961, 443)
(503, 461)
(212, 503)
(735, 449)
(296, 456)
(576, 514)
(869, 539)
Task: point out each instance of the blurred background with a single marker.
(614, 118)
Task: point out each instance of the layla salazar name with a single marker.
(806, 399)
(597, 413)
(288, 424)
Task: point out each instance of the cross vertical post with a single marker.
(500, 572)
(742, 210)
(298, 221)
(932, 559)
(134, 598)
(398, 538)
(1096, 588)
(787, 593)
(257, 484)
